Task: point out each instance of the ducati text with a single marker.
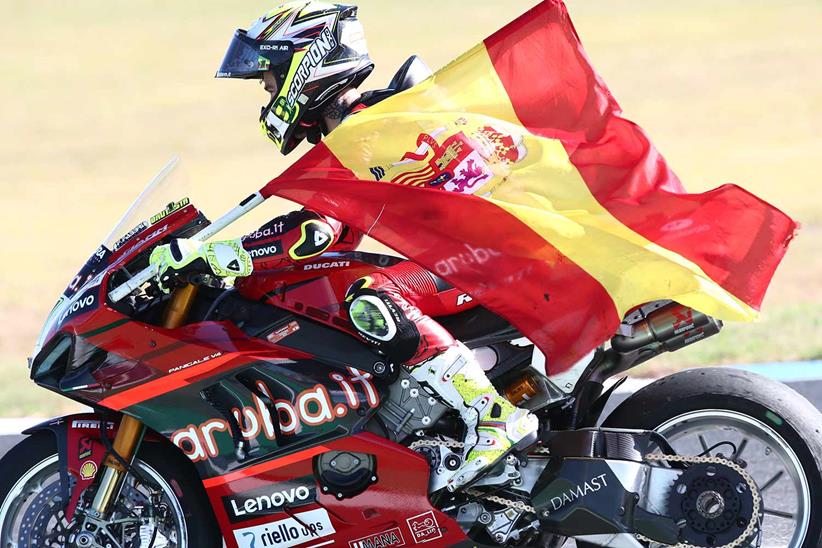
(330, 264)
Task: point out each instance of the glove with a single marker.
(182, 256)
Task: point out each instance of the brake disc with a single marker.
(44, 524)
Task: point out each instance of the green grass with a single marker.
(97, 95)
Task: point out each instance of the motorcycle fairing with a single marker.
(178, 379)
(88, 290)
(209, 373)
(397, 502)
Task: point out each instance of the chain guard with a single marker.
(704, 474)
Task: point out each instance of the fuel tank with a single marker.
(315, 288)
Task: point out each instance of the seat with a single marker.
(478, 326)
(410, 73)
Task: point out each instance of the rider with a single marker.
(311, 57)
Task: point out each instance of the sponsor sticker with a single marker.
(85, 447)
(271, 229)
(273, 248)
(79, 304)
(391, 537)
(270, 499)
(319, 48)
(88, 470)
(170, 208)
(283, 332)
(90, 423)
(89, 270)
(578, 492)
(328, 264)
(136, 230)
(303, 527)
(424, 527)
(311, 407)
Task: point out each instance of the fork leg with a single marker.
(125, 444)
(131, 430)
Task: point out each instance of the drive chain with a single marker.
(655, 457)
(757, 499)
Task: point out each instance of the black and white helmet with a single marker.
(314, 50)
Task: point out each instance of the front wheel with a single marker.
(737, 414)
(168, 510)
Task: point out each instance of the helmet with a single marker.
(314, 50)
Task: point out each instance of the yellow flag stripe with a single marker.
(544, 189)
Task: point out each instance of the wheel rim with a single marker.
(40, 485)
(772, 463)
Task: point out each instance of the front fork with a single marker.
(131, 430)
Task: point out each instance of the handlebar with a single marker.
(146, 274)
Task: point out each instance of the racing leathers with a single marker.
(382, 310)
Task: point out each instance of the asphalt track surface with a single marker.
(810, 389)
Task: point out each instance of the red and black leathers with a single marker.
(297, 236)
(304, 234)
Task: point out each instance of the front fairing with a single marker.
(83, 310)
(145, 223)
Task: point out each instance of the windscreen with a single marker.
(167, 192)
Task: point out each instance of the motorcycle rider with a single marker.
(311, 57)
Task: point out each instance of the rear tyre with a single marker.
(31, 514)
(777, 432)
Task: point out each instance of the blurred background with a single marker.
(97, 95)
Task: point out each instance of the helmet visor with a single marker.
(248, 58)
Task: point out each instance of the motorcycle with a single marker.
(248, 414)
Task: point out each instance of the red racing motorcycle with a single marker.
(248, 414)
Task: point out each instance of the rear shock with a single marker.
(131, 430)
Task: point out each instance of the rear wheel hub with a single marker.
(715, 503)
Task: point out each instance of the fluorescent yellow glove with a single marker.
(182, 256)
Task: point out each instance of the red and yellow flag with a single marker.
(511, 174)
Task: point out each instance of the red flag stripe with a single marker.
(728, 232)
(570, 301)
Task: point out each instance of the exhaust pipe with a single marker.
(666, 329)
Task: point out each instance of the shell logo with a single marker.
(88, 470)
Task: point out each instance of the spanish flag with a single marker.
(511, 174)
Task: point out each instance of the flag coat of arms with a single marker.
(512, 174)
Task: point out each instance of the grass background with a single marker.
(96, 96)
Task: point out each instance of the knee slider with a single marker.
(382, 324)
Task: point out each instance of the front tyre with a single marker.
(742, 415)
(31, 507)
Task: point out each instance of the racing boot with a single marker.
(493, 425)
